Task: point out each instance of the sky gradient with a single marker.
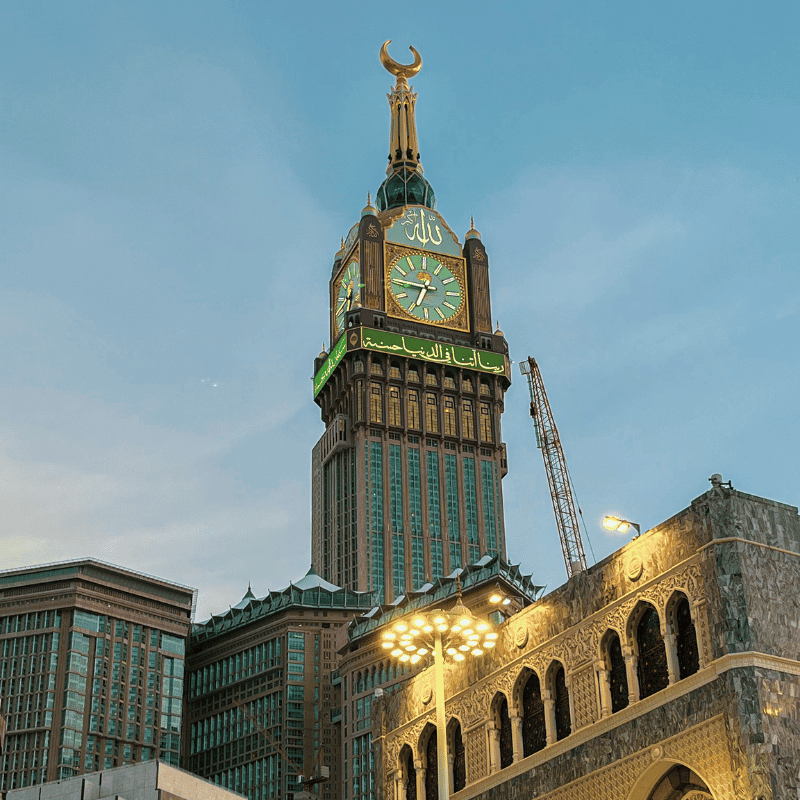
(175, 181)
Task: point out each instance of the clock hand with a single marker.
(407, 283)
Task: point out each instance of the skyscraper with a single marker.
(91, 669)
(406, 479)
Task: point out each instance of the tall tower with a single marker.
(406, 479)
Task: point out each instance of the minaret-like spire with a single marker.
(404, 184)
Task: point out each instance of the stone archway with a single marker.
(670, 781)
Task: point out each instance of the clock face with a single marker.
(347, 293)
(425, 288)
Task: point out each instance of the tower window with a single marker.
(394, 371)
(413, 409)
(375, 403)
(449, 382)
(485, 389)
(467, 420)
(413, 374)
(431, 413)
(466, 385)
(376, 368)
(486, 423)
(431, 379)
(394, 405)
(449, 416)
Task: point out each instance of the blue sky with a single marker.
(175, 181)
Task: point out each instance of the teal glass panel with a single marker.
(437, 559)
(374, 458)
(470, 502)
(417, 562)
(455, 555)
(414, 491)
(434, 495)
(396, 487)
(489, 506)
(172, 644)
(451, 492)
(398, 565)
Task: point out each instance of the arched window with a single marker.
(534, 731)
(431, 413)
(685, 638)
(413, 409)
(394, 405)
(431, 769)
(455, 746)
(409, 774)
(680, 782)
(502, 723)
(617, 674)
(561, 698)
(652, 666)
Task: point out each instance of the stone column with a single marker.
(630, 669)
(698, 611)
(603, 678)
(549, 716)
(672, 658)
(399, 786)
(420, 770)
(516, 734)
(493, 736)
(451, 759)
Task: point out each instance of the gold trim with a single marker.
(393, 253)
(337, 283)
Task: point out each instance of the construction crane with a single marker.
(555, 466)
(319, 773)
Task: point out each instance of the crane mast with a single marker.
(555, 466)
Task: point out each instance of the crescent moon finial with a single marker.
(401, 71)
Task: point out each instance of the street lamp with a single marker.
(454, 635)
(619, 525)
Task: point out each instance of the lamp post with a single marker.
(454, 635)
(619, 525)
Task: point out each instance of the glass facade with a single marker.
(339, 522)
(471, 510)
(489, 490)
(451, 496)
(374, 470)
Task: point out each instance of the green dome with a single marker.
(405, 187)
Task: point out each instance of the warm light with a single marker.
(469, 632)
(423, 651)
(451, 651)
(464, 622)
(477, 652)
(464, 647)
(442, 628)
(495, 598)
(488, 644)
(617, 524)
(414, 632)
(483, 626)
(411, 648)
(406, 637)
(401, 627)
(622, 527)
(419, 622)
(427, 628)
(458, 657)
(507, 601)
(388, 645)
(610, 523)
(397, 652)
(388, 635)
(404, 657)
(455, 628)
(414, 659)
(439, 620)
(491, 635)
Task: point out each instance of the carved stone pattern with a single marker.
(703, 749)
(475, 751)
(372, 230)
(478, 254)
(372, 273)
(584, 698)
(410, 736)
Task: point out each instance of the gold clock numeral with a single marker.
(453, 294)
(448, 280)
(400, 270)
(402, 294)
(448, 305)
(410, 263)
(439, 312)
(425, 312)
(437, 270)
(425, 263)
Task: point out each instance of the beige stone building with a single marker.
(670, 670)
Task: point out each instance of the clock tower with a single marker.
(406, 479)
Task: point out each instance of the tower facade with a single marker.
(406, 479)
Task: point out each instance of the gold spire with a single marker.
(403, 145)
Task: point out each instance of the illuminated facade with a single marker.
(668, 671)
(406, 479)
(91, 669)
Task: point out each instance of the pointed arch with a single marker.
(559, 692)
(651, 653)
(408, 774)
(457, 755)
(502, 727)
(616, 670)
(428, 749)
(534, 726)
(681, 623)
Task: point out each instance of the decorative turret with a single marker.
(404, 184)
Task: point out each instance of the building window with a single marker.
(486, 423)
(375, 403)
(471, 510)
(449, 382)
(456, 748)
(451, 499)
(617, 673)
(561, 695)
(376, 368)
(394, 371)
(489, 505)
(394, 406)
(534, 732)
(652, 661)
(413, 374)
(467, 420)
(431, 413)
(502, 724)
(485, 389)
(409, 773)
(466, 385)
(431, 771)
(431, 379)
(450, 416)
(686, 639)
(413, 409)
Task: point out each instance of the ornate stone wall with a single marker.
(735, 558)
